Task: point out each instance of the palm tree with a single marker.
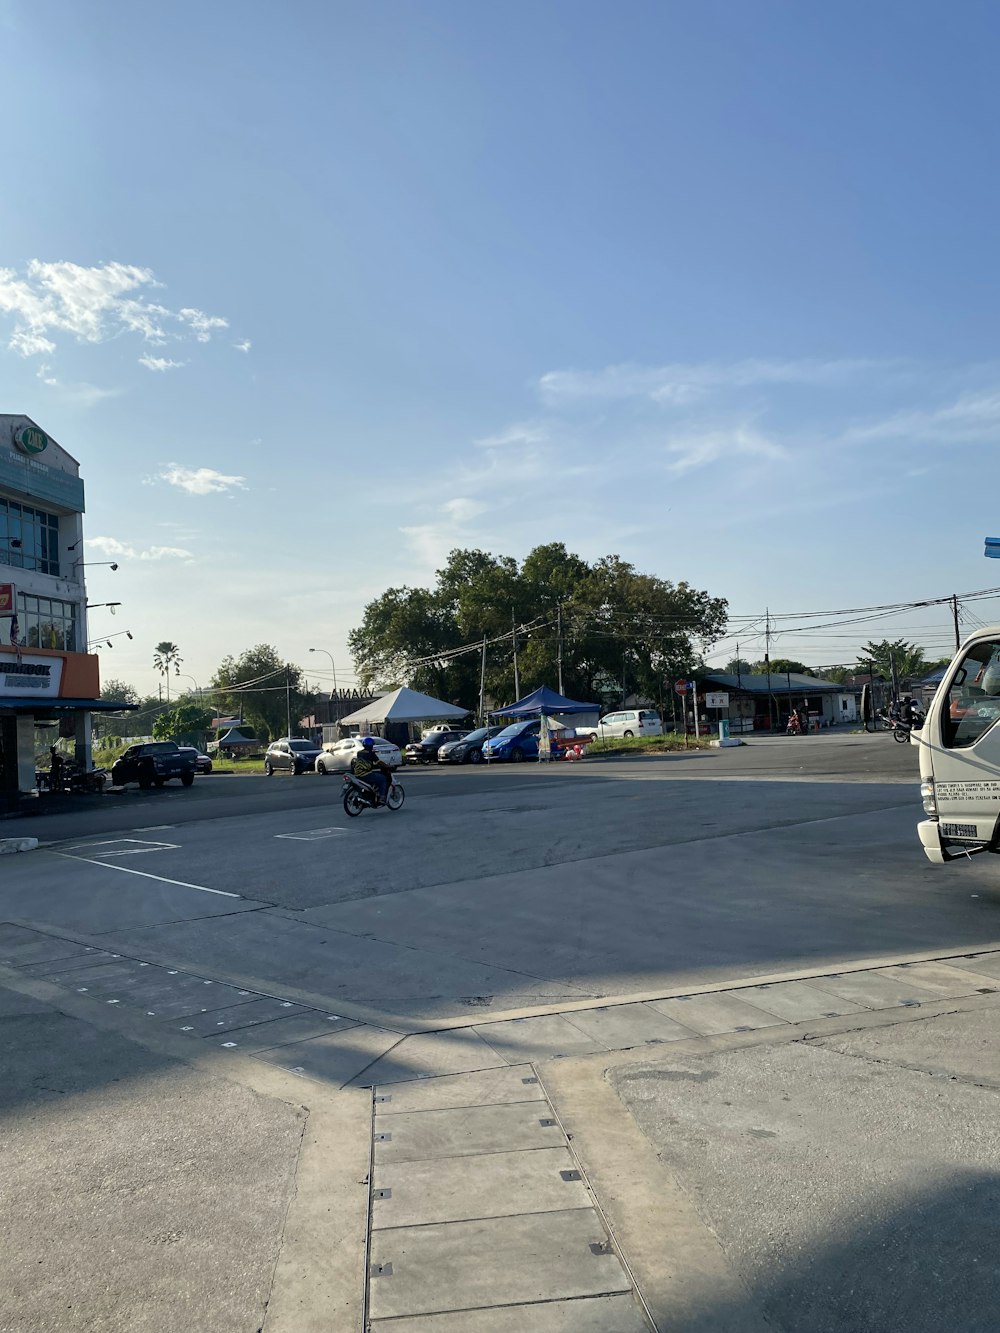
(165, 656)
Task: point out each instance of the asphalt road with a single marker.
(518, 886)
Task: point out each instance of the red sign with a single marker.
(7, 603)
(682, 686)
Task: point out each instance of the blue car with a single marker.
(517, 742)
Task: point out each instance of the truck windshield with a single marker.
(973, 697)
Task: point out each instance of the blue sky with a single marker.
(317, 292)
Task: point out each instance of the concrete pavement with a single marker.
(532, 1036)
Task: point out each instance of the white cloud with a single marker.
(699, 449)
(431, 542)
(203, 325)
(80, 394)
(167, 553)
(971, 418)
(119, 550)
(201, 480)
(679, 384)
(92, 304)
(28, 343)
(160, 363)
(523, 433)
(244, 346)
(109, 546)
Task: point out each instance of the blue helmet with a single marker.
(369, 742)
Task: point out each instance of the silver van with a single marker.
(630, 722)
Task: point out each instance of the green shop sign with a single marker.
(30, 440)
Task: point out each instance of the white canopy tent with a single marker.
(403, 705)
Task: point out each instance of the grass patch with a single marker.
(666, 744)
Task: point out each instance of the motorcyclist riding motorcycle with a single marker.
(371, 769)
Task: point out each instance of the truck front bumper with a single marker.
(930, 840)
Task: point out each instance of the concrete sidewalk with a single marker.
(141, 1191)
(837, 1174)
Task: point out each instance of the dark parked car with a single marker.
(202, 763)
(467, 750)
(291, 756)
(152, 764)
(425, 751)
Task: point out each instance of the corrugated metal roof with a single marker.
(776, 683)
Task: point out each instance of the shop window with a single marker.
(38, 534)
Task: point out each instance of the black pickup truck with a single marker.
(152, 764)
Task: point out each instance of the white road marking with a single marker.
(313, 834)
(153, 828)
(137, 847)
(126, 870)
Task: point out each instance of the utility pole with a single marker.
(954, 616)
(560, 647)
(623, 678)
(482, 687)
(288, 701)
(513, 635)
(767, 665)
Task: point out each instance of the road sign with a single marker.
(992, 551)
(683, 686)
(719, 700)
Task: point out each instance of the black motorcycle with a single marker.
(360, 795)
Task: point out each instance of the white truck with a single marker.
(960, 754)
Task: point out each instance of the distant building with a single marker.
(49, 683)
(763, 703)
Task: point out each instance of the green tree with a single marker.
(185, 723)
(781, 666)
(607, 623)
(165, 656)
(738, 666)
(265, 690)
(880, 658)
(111, 724)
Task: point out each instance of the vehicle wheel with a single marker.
(321, 768)
(901, 736)
(187, 779)
(145, 777)
(353, 804)
(395, 796)
(158, 782)
(627, 735)
(593, 738)
(474, 757)
(268, 770)
(517, 756)
(296, 770)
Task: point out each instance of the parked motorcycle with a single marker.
(71, 777)
(360, 795)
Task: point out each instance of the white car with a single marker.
(439, 727)
(629, 722)
(339, 756)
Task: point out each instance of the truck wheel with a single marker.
(186, 778)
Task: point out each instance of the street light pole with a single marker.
(335, 690)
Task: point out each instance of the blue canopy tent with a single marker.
(544, 700)
(544, 703)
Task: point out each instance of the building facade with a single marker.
(49, 684)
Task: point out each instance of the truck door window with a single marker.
(973, 697)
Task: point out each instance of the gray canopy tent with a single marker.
(393, 713)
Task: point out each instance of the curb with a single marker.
(18, 845)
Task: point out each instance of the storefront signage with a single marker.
(34, 480)
(7, 602)
(29, 439)
(31, 676)
(718, 700)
